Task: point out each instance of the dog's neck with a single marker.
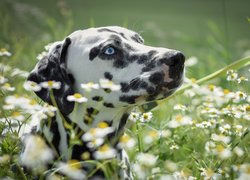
(115, 117)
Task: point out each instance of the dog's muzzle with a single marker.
(169, 75)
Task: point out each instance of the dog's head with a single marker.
(144, 73)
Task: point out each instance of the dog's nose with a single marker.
(173, 59)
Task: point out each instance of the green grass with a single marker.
(216, 32)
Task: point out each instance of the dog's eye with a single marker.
(109, 51)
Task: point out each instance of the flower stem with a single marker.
(138, 130)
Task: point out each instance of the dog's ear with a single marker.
(53, 67)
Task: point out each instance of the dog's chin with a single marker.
(164, 90)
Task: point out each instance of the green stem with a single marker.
(21, 172)
(138, 129)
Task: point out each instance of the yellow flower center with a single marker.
(193, 80)
(32, 102)
(7, 85)
(102, 125)
(50, 83)
(226, 91)
(211, 87)
(85, 155)
(104, 148)
(92, 131)
(248, 108)
(153, 134)
(220, 148)
(178, 118)
(15, 114)
(209, 172)
(3, 50)
(74, 164)
(77, 95)
(124, 139)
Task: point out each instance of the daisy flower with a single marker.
(105, 152)
(100, 131)
(107, 84)
(146, 159)
(89, 86)
(3, 79)
(32, 86)
(95, 143)
(51, 84)
(72, 169)
(134, 116)
(7, 87)
(77, 98)
(126, 141)
(4, 52)
(36, 153)
(146, 117)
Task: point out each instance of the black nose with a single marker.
(173, 59)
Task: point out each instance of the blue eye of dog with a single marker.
(109, 51)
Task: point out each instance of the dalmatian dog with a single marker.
(144, 73)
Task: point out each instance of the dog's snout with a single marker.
(173, 59)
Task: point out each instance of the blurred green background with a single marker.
(214, 31)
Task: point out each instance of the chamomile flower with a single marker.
(134, 116)
(165, 133)
(221, 138)
(232, 75)
(4, 52)
(222, 151)
(180, 107)
(146, 117)
(72, 169)
(32, 86)
(107, 84)
(242, 78)
(51, 84)
(238, 151)
(95, 143)
(36, 153)
(100, 131)
(90, 86)
(17, 116)
(7, 87)
(180, 120)
(105, 152)
(208, 173)
(126, 141)
(209, 146)
(239, 95)
(151, 136)
(3, 79)
(146, 159)
(77, 97)
(191, 61)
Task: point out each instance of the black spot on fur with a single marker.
(150, 90)
(93, 53)
(137, 39)
(128, 99)
(142, 59)
(97, 98)
(124, 87)
(108, 105)
(135, 83)
(156, 78)
(108, 76)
